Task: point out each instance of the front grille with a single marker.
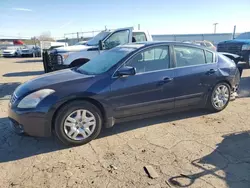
(13, 98)
(230, 48)
(53, 58)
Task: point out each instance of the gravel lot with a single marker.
(194, 149)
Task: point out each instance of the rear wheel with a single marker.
(78, 123)
(219, 97)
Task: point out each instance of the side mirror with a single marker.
(101, 45)
(126, 71)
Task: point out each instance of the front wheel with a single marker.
(219, 98)
(78, 123)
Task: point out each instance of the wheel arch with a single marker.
(90, 100)
(211, 89)
(78, 62)
(224, 81)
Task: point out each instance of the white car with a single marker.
(73, 56)
(12, 51)
(31, 51)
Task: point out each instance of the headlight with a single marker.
(246, 47)
(61, 57)
(33, 99)
(65, 56)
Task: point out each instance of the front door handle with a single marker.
(211, 71)
(165, 80)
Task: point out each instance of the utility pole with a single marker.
(77, 36)
(139, 26)
(215, 25)
(234, 32)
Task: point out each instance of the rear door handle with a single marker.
(165, 80)
(211, 71)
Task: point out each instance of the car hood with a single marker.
(73, 48)
(51, 80)
(9, 51)
(237, 41)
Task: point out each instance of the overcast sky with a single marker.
(27, 18)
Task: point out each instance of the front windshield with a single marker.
(105, 61)
(100, 36)
(244, 36)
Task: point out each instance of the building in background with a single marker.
(215, 38)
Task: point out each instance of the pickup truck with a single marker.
(74, 56)
(239, 46)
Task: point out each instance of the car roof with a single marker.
(152, 43)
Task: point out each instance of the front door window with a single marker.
(152, 59)
(117, 38)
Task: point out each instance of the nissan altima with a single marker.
(124, 83)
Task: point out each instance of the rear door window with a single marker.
(139, 37)
(209, 57)
(189, 56)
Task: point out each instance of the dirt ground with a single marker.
(193, 149)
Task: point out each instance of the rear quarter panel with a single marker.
(227, 70)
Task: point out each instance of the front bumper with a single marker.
(26, 53)
(31, 122)
(246, 56)
(8, 55)
(50, 62)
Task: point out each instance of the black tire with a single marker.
(210, 104)
(66, 111)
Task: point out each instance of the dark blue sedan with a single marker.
(127, 82)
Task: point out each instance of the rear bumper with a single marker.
(33, 123)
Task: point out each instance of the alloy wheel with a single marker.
(220, 96)
(79, 125)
